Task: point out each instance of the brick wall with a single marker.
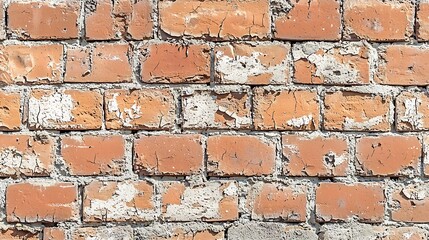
(214, 119)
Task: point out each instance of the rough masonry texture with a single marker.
(214, 119)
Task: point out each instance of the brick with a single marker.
(111, 20)
(412, 109)
(10, 111)
(315, 155)
(341, 202)
(168, 155)
(93, 155)
(285, 109)
(74, 109)
(426, 155)
(277, 201)
(186, 231)
(307, 20)
(18, 234)
(332, 63)
(47, 202)
(403, 65)
(26, 155)
(243, 63)
(216, 110)
(172, 63)
(53, 233)
(388, 155)
(211, 201)
(240, 155)
(265, 230)
(422, 20)
(101, 232)
(149, 109)
(40, 20)
(410, 203)
(353, 111)
(219, 20)
(37, 64)
(118, 201)
(378, 20)
(99, 63)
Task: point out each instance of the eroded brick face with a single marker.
(10, 111)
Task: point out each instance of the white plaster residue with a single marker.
(350, 124)
(13, 161)
(238, 120)
(231, 190)
(131, 113)
(53, 108)
(240, 68)
(199, 110)
(332, 71)
(415, 193)
(300, 122)
(411, 114)
(332, 160)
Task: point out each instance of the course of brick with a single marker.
(214, 119)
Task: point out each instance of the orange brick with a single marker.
(353, 111)
(216, 110)
(99, 63)
(403, 65)
(211, 201)
(109, 20)
(93, 155)
(412, 111)
(26, 155)
(47, 202)
(378, 20)
(37, 64)
(285, 109)
(277, 201)
(42, 20)
(411, 203)
(53, 233)
(422, 20)
(388, 155)
(331, 64)
(341, 202)
(221, 20)
(74, 109)
(240, 155)
(139, 109)
(168, 155)
(262, 64)
(172, 63)
(102, 232)
(18, 234)
(307, 20)
(118, 201)
(10, 111)
(314, 155)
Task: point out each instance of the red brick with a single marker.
(99, 63)
(378, 20)
(216, 110)
(93, 155)
(18, 234)
(37, 64)
(243, 63)
(43, 20)
(422, 20)
(411, 203)
(341, 202)
(148, 109)
(388, 155)
(54, 233)
(109, 20)
(412, 111)
(172, 63)
(285, 109)
(240, 155)
(168, 155)
(353, 111)
(331, 64)
(74, 109)
(102, 232)
(47, 202)
(314, 155)
(221, 20)
(307, 20)
(211, 201)
(277, 201)
(403, 65)
(10, 111)
(26, 155)
(118, 201)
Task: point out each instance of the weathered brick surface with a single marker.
(214, 119)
